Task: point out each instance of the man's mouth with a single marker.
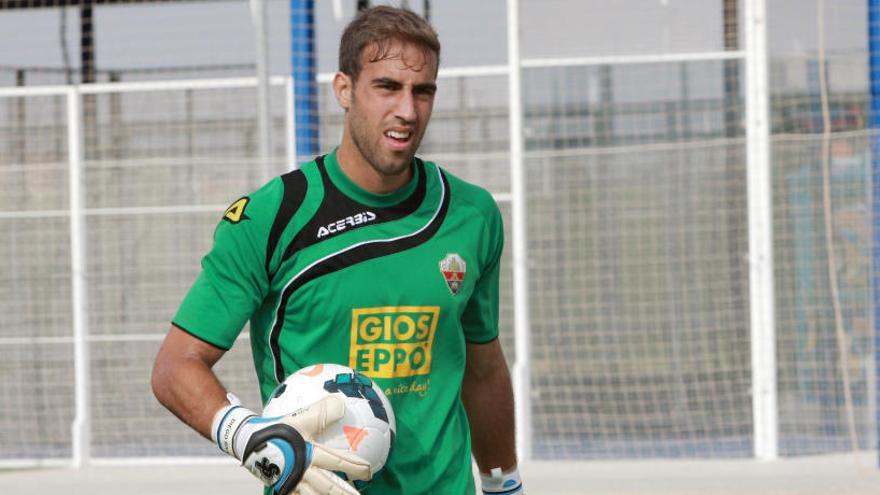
(398, 136)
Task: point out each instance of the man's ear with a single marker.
(343, 87)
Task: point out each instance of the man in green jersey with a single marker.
(368, 257)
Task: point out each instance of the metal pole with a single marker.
(264, 122)
(290, 125)
(734, 180)
(88, 75)
(87, 42)
(760, 212)
(874, 45)
(305, 88)
(116, 127)
(20, 124)
(521, 370)
(81, 427)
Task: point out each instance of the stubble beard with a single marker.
(370, 150)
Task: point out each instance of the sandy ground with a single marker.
(827, 475)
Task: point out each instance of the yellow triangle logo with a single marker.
(235, 212)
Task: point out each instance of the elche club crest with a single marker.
(453, 269)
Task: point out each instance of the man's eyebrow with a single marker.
(385, 80)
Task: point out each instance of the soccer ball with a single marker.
(368, 427)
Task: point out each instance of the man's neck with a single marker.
(358, 169)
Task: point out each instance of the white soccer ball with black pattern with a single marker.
(368, 427)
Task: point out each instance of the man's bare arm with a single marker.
(183, 381)
(487, 394)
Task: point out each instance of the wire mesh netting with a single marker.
(636, 160)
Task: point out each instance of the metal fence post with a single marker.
(874, 61)
(762, 302)
(259, 14)
(521, 369)
(81, 428)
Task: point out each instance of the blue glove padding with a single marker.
(276, 454)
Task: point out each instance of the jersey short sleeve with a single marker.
(233, 281)
(480, 317)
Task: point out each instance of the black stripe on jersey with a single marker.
(199, 337)
(338, 209)
(294, 193)
(481, 342)
(349, 257)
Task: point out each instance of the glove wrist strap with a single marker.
(498, 482)
(227, 421)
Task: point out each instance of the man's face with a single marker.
(390, 106)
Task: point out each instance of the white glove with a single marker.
(280, 451)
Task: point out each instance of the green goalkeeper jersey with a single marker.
(392, 285)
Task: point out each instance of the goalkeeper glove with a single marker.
(280, 451)
(498, 482)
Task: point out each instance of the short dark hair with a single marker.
(382, 26)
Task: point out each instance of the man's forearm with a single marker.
(488, 399)
(184, 383)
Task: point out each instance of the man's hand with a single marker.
(281, 452)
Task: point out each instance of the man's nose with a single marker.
(406, 107)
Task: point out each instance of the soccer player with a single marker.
(368, 257)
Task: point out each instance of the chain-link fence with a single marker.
(637, 199)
